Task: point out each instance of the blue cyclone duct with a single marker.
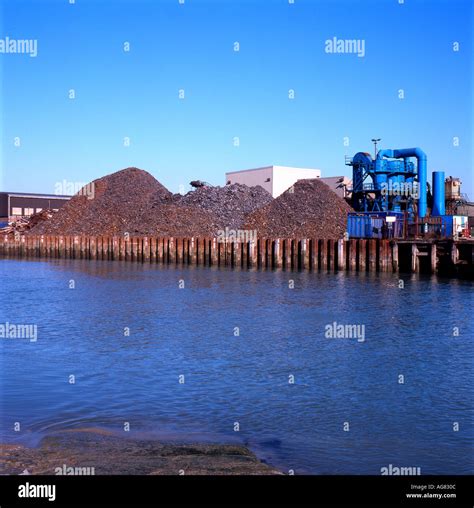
(405, 153)
(438, 194)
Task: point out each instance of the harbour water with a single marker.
(227, 355)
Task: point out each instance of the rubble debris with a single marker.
(23, 224)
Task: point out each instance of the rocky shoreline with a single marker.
(103, 453)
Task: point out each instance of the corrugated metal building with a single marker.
(22, 204)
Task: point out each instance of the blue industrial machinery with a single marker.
(390, 182)
(387, 192)
(390, 197)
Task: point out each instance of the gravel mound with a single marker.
(309, 209)
(230, 204)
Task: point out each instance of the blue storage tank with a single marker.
(438, 194)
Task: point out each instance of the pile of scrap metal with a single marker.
(199, 183)
(23, 224)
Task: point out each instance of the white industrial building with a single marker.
(274, 179)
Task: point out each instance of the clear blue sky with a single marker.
(230, 94)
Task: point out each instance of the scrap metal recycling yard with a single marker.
(309, 225)
(236, 252)
(132, 201)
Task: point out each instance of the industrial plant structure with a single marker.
(389, 193)
(392, 198)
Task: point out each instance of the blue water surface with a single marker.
(239, 338)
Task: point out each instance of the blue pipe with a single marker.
(421, 158)
(438, 194)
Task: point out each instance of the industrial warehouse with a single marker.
(387, 217)
(14, 205)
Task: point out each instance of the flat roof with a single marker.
(35, 195)
(245, 170)
(267, 167)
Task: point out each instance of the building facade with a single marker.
(274, 179)
(14, 205)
